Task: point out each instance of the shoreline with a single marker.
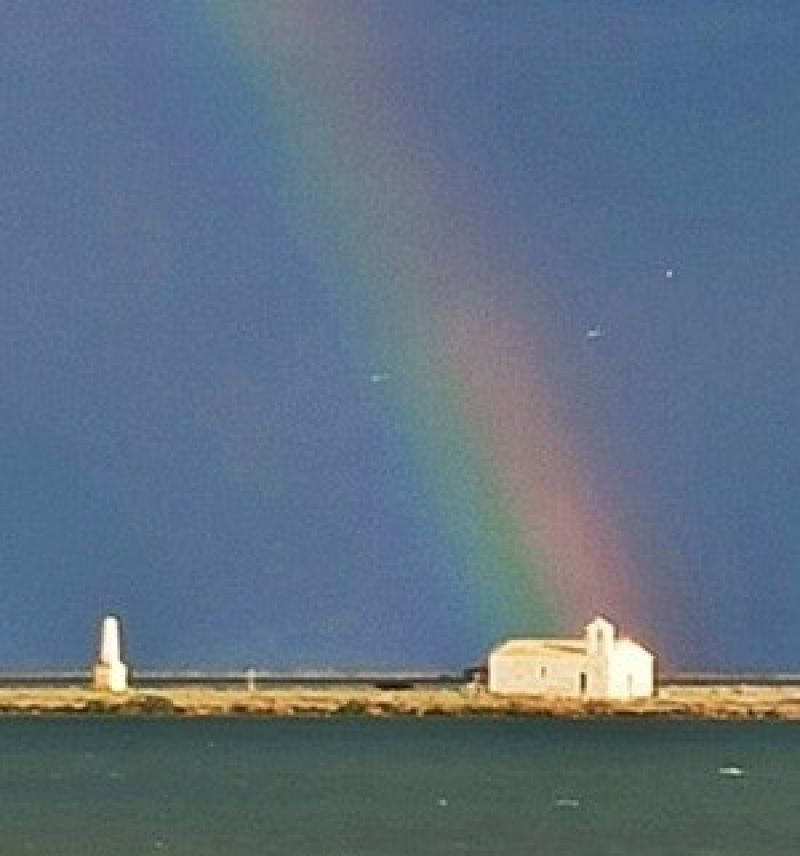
(734, 702)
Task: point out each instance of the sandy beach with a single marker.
(713, 703)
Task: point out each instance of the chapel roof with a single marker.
(541, 648)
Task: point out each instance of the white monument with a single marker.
(109, 672)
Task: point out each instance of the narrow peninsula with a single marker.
(734, 702)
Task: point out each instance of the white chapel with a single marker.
(598, 666)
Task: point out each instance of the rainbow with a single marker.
(430, 286)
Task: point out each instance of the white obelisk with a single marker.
(109, 672)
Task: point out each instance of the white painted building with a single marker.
(109, 673)
(598, 666)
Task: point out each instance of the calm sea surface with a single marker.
(358, 786)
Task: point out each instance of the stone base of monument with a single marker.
(110, 677)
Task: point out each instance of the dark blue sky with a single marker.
(189, 435)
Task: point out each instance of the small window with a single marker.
(543, 672)
(583, 683)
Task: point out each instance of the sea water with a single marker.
(342, 787)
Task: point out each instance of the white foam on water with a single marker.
(731, 771)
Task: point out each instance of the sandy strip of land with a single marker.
(724, 702)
